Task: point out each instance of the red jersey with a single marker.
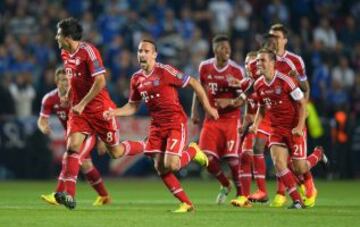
(283, 65)
(280, 97)
(296, 63)
(159, 92)
(81, 68)
(216, 84)
(51, 105)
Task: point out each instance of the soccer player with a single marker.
(259, 167)
(279, 95)
(219, 138)
(89, 99)
(51, 105)
(156, 85)
(297, 70)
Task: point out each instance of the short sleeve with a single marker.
(300, 68)
(46, 107)
(201, 73)
(175, 77)
(134, 93)
(94, 61)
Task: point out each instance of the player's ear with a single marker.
(155, 54)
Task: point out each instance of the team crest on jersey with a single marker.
(209, 77)
(156, 82)
(56, 106)
(278, 90)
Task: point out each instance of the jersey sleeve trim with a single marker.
(44, 115)
(186, 80)
(101, 71)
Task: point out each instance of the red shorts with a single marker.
(264, 129)
(248, 143)
(220, 138)
(170, 140)
(297, 145)
(95, 124)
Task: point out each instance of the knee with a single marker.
(73, 147)
(300, 168)
(86, 165)
(280, 164)
(116, 152)
(172, 166)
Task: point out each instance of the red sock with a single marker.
(187, 156)
(245, 173)
(173, 184)
(314, 158)
(214, 169)
(280, 187)
(61, 185)
(94, 179)
(309, 184)
(288, 178)
(260, 171)
(72, 170)
(235, 172)
(133, 147)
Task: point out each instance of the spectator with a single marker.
(23, 93)
(325, 34)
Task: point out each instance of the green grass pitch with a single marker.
(144, 202)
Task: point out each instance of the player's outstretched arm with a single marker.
(98, 85)
(128, 109)
(257, 119)
(298, 130)
(201, 94)
(195, 116)
(43, 125)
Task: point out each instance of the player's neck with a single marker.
(220, 63)
(281, 53)
(269, 76)
(73, 46)
(149, 69)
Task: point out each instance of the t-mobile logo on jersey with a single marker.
(213, 87)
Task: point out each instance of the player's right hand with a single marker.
(108, 114)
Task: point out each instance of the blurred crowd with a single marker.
(325, 33)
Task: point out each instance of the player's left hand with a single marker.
(297, 131)
(222, 103)
(234, 82)
(78, 108)
(213, 113)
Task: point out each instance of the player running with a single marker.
(51, 105)
(156, 84)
